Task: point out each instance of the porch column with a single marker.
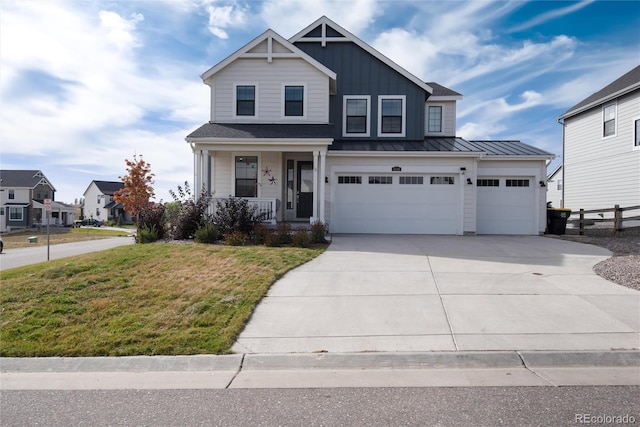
(316, 186)
(198, 172)
(323, 162)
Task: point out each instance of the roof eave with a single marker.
(519, 157)
(358, 153)
(603, 100)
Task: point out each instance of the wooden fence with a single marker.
(618, 218)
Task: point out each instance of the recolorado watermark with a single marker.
(604, 419)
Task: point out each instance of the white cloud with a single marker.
(550, 15)
(227, 16)
(120, 30)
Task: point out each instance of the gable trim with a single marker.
(324, 21)
(269, 36)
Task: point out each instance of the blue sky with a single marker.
(87, 84)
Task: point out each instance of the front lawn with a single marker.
(153, 299)
(66, 235)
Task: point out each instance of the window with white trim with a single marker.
(391, 115)
(609, 120)
(411, 180)
(449, 180)
(246, 176)
(12, 194)
(294, 101)
(435, 119)
(380, 180)
(559, 185)
(636, 133)
(15, 213)
(357, 115)
(349, 180)
(245, 100)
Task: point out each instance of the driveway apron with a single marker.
(390, 293)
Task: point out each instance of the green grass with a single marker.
(150, 299)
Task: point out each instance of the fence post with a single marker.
(617, 219)
(581, 226)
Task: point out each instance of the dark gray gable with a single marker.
(23, 178)
(626, 81)
(109, 187)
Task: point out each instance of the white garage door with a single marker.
(395, 204)
(506, 205)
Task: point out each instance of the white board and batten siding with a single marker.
(602, 172)
(270, 79)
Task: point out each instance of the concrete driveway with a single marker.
(440, 293)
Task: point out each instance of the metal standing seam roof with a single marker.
(508, 148)
(444, 144)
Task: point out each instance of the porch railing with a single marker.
(266, 207)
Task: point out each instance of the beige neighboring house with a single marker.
(22, 197)
(99, 203)
(601, 161)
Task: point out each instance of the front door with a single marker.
(304, 204)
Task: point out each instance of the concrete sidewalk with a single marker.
(381, 293)
(437, 369)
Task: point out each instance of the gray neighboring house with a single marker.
(601, 144)
(554, 187)
(323, 127)
(22, 196)
(99, 203)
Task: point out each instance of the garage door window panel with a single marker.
(411, 180)
(349, 180)
(380, 180)
(442, 180)
(517, 183)
(483, 182)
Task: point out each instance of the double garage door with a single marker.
(430, 204)
(396, 204)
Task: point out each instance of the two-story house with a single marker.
(99, 204)
(601, 144)
(323, 127)
(22, 196)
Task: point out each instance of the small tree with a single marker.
(186, 215)
(138, 187)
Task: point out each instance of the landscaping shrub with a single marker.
(271, 239)
(301, 239)
(147, 235)
(152, 217)
(236, 238)
(318, 232)
(190, 214)
(284, 233)
(206, 233)
(259, 234)
(236, 214)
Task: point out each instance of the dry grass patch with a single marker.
(67, 235)
(139, 300)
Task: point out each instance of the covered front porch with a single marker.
(286, 183)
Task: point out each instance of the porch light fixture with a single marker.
(469, 181)
(542, 184)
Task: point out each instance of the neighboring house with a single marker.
(601, 160)
(99, 203)
(322, 127)
(554, 187)
(22, 196)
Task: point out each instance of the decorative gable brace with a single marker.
(269, 45)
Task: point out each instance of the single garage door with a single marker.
(395, 204)
(506, 205)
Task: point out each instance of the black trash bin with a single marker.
(557, 220)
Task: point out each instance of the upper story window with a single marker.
(391, 115)
(245, 100)
(636, 133)
(435, 118)
(246, 176)
(559, 185)
(357, 111)
(15, 213)
(12, 194)
(294, 101)
(609, 120)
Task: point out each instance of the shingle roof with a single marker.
(109, 187)
(266, 131)
(508, 148)
(22, 178)
(439, 90)
(443, 144)
(624, 84)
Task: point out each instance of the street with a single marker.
(473, 406)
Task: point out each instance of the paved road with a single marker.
(12, 258)
(480, 406)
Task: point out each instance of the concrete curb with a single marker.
(326, 361)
